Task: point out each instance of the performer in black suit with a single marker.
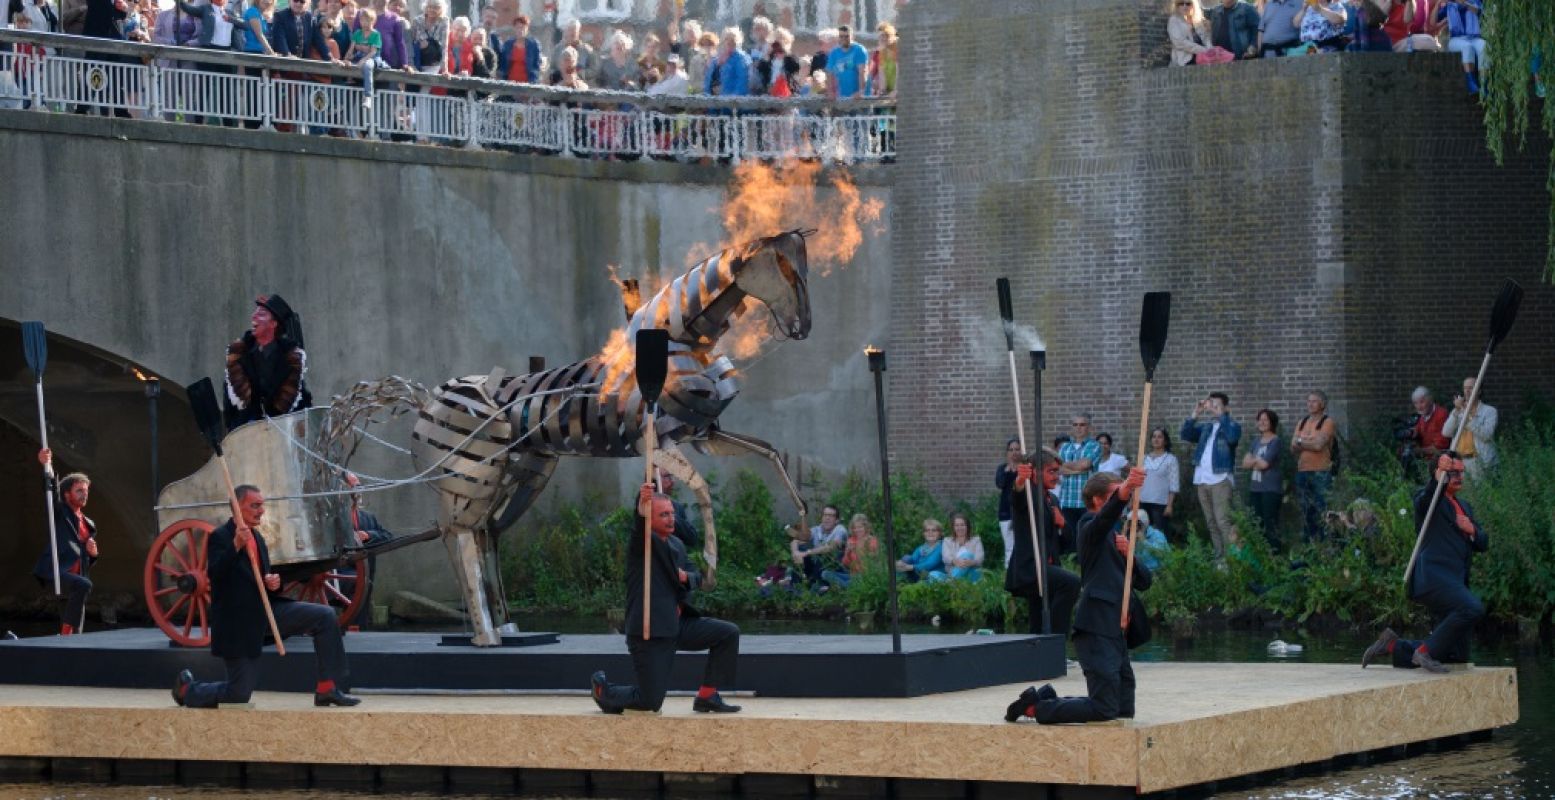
(1098, 639)
(1440, 580)
(685, 530)
(674, 624)
(369, 532)
(1020, 579)
(238, 624)
(75, 539)
(267, 367)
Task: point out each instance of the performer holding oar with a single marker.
(659, 579)
(243, 596)
(1438, 572)
(1107, 574)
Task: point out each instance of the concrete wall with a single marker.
(1332, 222)
(150, 241)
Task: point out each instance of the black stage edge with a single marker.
(508, 640)
(769, 666)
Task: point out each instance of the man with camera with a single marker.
(1422, 434)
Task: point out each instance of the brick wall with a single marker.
(1297, 209)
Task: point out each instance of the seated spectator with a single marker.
(1110, 461)
(566, 76)
(1278, 29)
(860, 554)
(1363, 27)
(962, 553)
(1411, 26)
(1322, 25)
(1233, 27)
(1189, 34)
(366, 43)
(823, 551)
(1463, 37)
(1152, 542)
(674, 81)
(927, 561)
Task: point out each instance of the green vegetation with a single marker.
(1517, 34)
(574, 560)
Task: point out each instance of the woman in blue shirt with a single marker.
(256, 27)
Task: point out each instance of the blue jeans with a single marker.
(1312, 497)
(972, 574)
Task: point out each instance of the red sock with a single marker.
(324, 687)
(1421, 649)
(66, 629)
(1031, 711)
(1390, 646)
(707, 692)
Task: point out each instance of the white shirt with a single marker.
(1114, 464)
(1161, 479)
(674, 84)
(1204, 472)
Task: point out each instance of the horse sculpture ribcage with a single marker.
(496, 438)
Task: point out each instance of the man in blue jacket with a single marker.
(1440, 580)
(1233, 25)
(1215, 436)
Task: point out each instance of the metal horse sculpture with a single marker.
(496, 438)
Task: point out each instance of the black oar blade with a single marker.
(1504, 313)
(653, 348)
(35, 344)
(1006, 311)
(207, 416)
(1153, 322)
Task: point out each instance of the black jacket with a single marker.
(238, 625)
(376, 533)
(1101, 573)
(667, 594)
(297, 35)
(1445, 552)
(264, 382)
(685, 530)
(103, 20)
(67, 541)
(1022, 572)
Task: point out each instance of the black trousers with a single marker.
(75, 588)
(1069, 538)
(1267, 506)
(1159, 519)
(292, 619)
(1109, 682)
(1454, 610)
(1063, 592)
(653, 659)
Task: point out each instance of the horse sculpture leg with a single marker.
(465, 553)
(672, 460)
(724, 443)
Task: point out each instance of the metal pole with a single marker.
(877, 366)
(153, 390)
(1038, 364)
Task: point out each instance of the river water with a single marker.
(1518, 762)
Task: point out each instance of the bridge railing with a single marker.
(159, 82)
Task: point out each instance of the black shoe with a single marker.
(334, 697)
(181, 686)
(1379, 648)
(714, 704)
(1017, 709)
(1047, 692)
(598, 685)
(1424, 661)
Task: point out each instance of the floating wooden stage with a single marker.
(1197, 723)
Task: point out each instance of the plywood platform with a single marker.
(1196, 723)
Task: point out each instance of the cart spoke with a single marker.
(163, 568)
(164, 592)
(172, 547)
(174, 608)
(338, 594)
(199, 606)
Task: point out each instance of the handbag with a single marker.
(1138, 631)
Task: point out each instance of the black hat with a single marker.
(286, 319)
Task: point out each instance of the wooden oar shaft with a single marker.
(648, 438)
(1133, 507)
(1436, 496)
(253, 558)
(1031, 487)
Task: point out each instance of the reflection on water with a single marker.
(1518, 763)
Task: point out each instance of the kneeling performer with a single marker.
(673, 624)
(238, 623)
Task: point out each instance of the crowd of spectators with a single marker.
(1219, 31)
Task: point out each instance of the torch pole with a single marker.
(1038, 364)
(153, 390)
(877, 366)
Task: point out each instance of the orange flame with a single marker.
(141, 376)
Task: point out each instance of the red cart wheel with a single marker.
(343, 588)
(178, 590)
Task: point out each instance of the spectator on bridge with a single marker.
(1110, 461)
(520, 66)
(1278, 29)
(330, 29)
(683, 37)
(617, 71)
(1162, 480)
(583, 53)
(342, 13)
(1234, 28)
(650, 61)
(1313, 445)
(1363, 27)
(391, 22)
(460, 59)
(267, 367)
(1188, 32)
(779, 75)
(758, 39)
(366, 44)
(927, 561)
(1078, 459)
(827, 39)
(1463, 37)
(257, 20)
(137, 23)
(1411, 26)
(429, 39)
(566, 76)
(1267, 482)
(75, 543)
(846, 64)
(729, 74)
(1215, 436)
(962, 554)
(72, 16)
(291, 28)
(1476, 446)
(702, 56)
(1322, 25)
(44, 18)
(16, 85)
(674, 82)
(882, 63)
(483, 60)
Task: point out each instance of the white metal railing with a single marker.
(193, 85)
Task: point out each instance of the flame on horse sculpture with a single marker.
(496, 438)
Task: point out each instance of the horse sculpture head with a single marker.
(776, 272)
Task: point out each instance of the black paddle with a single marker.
(1154, 319)
(36, 347)
(1038, 525)
(1502, 315)
(652, 351)
(207, 417)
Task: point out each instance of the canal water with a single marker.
(1518, 762)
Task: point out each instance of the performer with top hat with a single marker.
(266, 367)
